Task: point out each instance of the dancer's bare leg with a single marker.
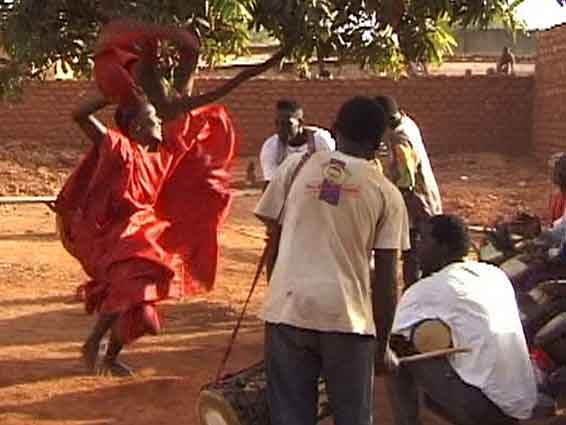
(110, 363)
(91, 345)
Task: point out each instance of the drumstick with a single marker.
(433, 355)
(480, 229)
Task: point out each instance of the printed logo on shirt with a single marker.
(334, 175)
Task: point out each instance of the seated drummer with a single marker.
(494, 382)
(547, 258)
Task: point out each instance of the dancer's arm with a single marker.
(149, 77)
(89, 124)
(170, 108)
(188, 46)
(142, 38)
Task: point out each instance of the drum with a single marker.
(241, 399)
(514, 267)
(431, 335)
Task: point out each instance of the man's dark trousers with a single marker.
(295, 358)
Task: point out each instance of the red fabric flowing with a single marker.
(144, 225)
(204, 144)
(114, 75)
(117, 55)
(115, 67)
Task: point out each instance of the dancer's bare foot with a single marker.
(113, 367)
(90, 354)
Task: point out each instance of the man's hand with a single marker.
(391, 361)
(397, 346)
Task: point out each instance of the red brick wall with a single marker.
(549, 105)
(455, 113)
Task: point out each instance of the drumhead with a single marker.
(431, 335)
(513, 267)
(213, 409)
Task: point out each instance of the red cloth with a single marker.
(113, 73)
(117, 55)
(204, 144)
(144, 225)
(115, 68)
(195, 196)
(557, 206)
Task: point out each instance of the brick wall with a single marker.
(475, 113)
(549, 105)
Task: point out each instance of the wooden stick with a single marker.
(20, 200)
(480, 229)
(433, 355)
(27, 199)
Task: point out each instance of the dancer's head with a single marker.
(140, 123)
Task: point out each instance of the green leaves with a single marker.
(383, 35)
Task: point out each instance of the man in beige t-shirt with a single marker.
(320, 310)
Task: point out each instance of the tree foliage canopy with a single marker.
(382, 34)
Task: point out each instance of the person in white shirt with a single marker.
(494, 384)
(292, 137)
(336, 213)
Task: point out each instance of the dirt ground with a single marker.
(42, 327)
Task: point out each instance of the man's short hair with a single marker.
(450, 230)
(361, 119)
(288, 105)
(389, 105)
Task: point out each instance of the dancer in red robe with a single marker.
(142, 210)
(109, 223)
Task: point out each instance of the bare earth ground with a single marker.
(42, 327)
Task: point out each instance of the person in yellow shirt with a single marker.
(410, 170)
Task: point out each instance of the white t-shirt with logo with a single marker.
(269, 156)
(477, 301)
(339, 209)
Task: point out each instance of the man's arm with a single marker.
(384, 289)
(273, 237)
(384, 298)
(89, 124)
(270, 206)
(267, 161)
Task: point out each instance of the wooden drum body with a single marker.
(241, 399)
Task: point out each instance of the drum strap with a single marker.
(259, 268)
